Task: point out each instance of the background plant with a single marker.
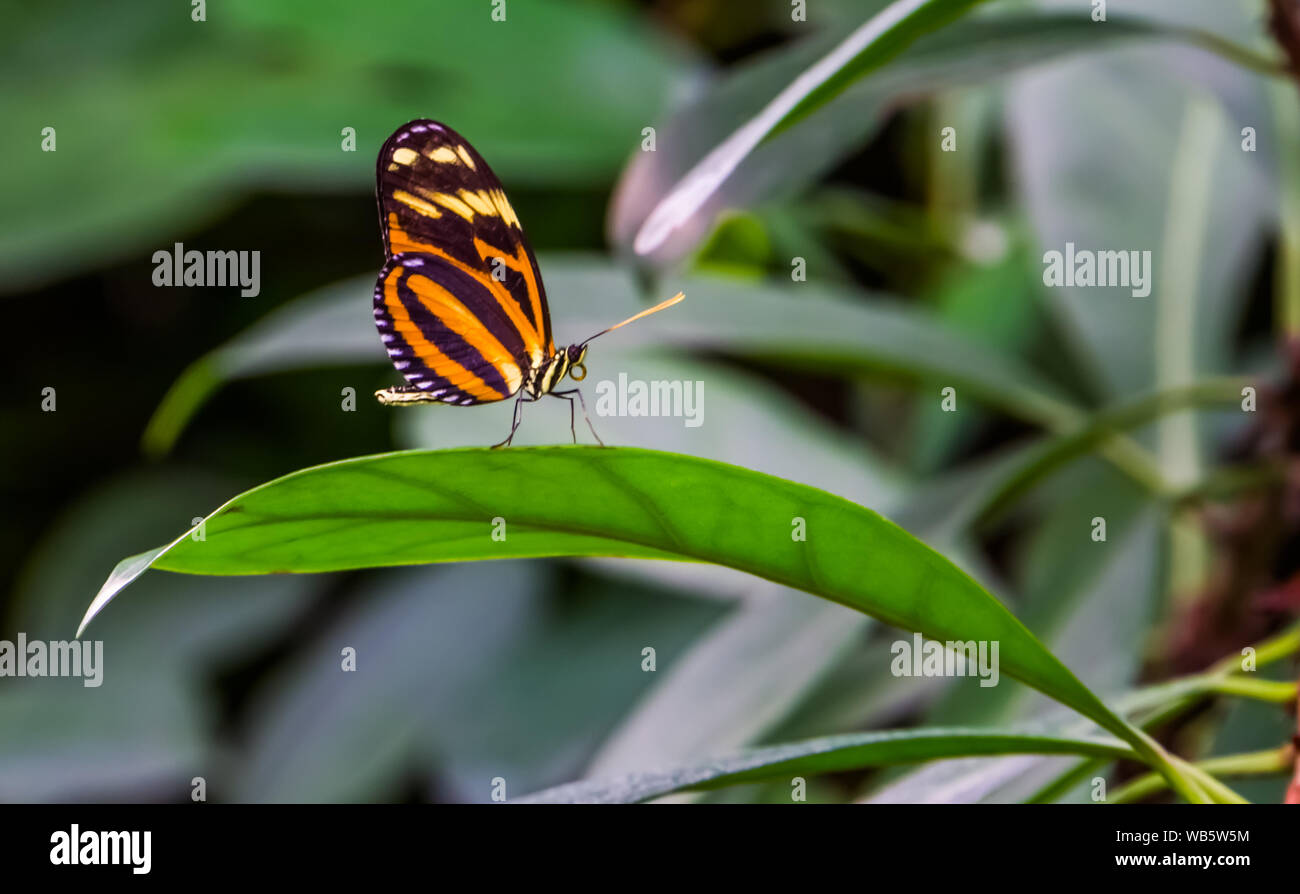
(924, 272)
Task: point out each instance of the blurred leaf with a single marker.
(407, 625)
(433, 646)
(827, 755)
(567, 683)
(736, 683)
(962, 781)
(995, 306)
(1061, 449)
(738, 247)
(720, 150)
(801, 326)
(893, 235)
(258, 96)
(1093, 167)
(146, 730)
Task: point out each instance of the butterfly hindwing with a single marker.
(449, 334)
(438, 198)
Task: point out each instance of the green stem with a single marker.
(1168, 700)
(1229, 482)
(1218, 792)
(1261, 690)
(1256, 763)
(1180, 775)
(1283, 645)
(1104, 429)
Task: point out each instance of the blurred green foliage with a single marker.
(923, 273)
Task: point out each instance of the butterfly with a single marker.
(459, 303)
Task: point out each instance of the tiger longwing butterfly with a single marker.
(460, 303)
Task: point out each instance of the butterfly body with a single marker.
(459, 303)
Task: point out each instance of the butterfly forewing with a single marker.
(460, 300)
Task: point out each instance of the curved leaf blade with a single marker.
(415, 507)
(879, 39)
(826, 755)
(973, 51)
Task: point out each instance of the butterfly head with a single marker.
(576, 354)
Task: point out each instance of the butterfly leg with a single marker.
(569, 395)
(519, 413)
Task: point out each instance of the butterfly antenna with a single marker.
(645, 313)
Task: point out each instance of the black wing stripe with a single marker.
(434, 338)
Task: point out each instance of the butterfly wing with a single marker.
(450, 335)
(438, 198)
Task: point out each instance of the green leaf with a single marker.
(439, 506)
(826, 755)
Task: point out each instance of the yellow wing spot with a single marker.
(465, 157)
(503, 208)
(417, 205)
(453, 204)
(400, 241)
(403, 156)
(481, 202)
(442, 155)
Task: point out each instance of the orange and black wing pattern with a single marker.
(459, 303)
